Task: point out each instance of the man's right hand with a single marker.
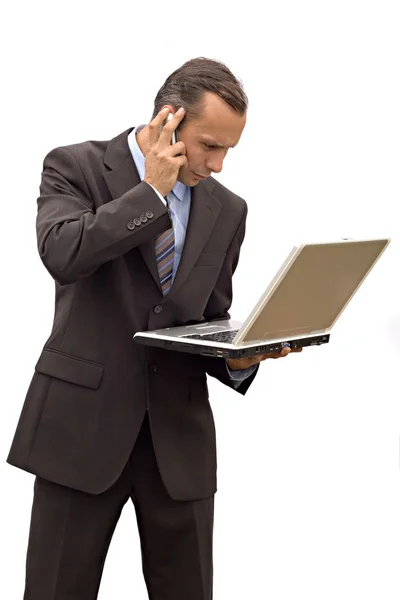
(164, 160)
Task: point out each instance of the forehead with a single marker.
(218, 121)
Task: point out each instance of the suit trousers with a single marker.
(71, 531)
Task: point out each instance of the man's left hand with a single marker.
(245, 363)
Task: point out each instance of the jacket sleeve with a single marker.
(74, 238)
(218, 307)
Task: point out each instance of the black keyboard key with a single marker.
(225, 337)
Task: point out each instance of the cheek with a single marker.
(194, 155)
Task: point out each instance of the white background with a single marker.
(309, 497)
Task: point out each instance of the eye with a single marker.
(209, 146)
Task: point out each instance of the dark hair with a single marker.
(187, 85)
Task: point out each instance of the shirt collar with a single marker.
(179, 188)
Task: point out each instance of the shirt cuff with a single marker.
(240, 375)
(158, 194)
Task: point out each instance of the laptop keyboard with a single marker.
(225, 337)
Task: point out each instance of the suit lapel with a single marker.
(204, 211)
(121, 179)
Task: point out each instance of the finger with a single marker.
(285, 351)
(175, 149)
(280, 354)
(269, 355)
(155, 126)
(166, 134)
(181, 160)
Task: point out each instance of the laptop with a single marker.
(299, 307)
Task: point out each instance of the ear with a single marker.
(170, 107)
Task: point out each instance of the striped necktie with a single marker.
(164, 248)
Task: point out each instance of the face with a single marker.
(208, 138)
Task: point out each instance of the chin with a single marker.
(189, 180)
(193, 182)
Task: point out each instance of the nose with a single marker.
(215, 164)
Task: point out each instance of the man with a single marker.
(137, 235)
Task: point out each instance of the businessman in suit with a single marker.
(137, 235)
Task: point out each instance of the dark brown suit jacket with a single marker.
(92, 384)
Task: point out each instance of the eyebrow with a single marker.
(212, 142)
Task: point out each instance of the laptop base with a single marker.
(219, 352)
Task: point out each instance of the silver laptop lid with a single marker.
(311, 289)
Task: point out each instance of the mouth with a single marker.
(200, 176)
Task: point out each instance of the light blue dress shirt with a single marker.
(179, 200)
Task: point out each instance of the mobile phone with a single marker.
(174, 138)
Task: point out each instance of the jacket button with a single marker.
(157, 309)
(143, 218)
(153, 368)
(149, 214)
(130, 225)
(137, 221)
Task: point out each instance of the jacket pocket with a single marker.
(70, 368)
